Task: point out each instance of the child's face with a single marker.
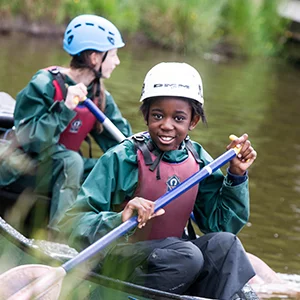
(170, 119)
(110, 63)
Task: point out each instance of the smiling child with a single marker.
(131, 176)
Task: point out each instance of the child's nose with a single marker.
(167, 124)
(117, 61)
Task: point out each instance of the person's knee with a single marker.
(226, 239)
(74, 165)
(68, 166)
(74, 160)
(187, 256)
(192, 259)
(223, 243)
(174, 268)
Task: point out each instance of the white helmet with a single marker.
(173, 79)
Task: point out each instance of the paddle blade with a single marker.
(31, 282)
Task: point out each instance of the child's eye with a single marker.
(179, 118)
(157, 116)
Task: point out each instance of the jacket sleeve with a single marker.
(220, 205)
(39, 120)
(105, 140)
(112, 180)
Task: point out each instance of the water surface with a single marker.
(260, 97)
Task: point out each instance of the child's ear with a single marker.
(194, 122)
(93, 58)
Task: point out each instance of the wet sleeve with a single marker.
(39, 120)
(112, 180)
(105, 140)
(220, 205)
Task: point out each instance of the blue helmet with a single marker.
(91, 32)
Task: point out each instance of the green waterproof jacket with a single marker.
(220, 205)
(39, 122)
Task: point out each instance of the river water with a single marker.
(259, 96)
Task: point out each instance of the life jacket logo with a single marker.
(75, 125)
(172, 182)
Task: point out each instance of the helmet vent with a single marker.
(70, 39)
(78, 25)
(101, 28)
(89, 24)
(111, 40)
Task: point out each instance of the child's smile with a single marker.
(170, 119)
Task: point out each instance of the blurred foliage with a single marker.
(254, 27)
(246, 28)
(184, 25)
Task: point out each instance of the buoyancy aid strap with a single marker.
(139, 142)
(59, 82)
(61, 93)
(156, 165)
(146, 148)
(157, 161)
(191, 148)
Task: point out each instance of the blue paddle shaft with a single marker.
(101, 117)
(159, 203)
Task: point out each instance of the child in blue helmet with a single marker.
(51, 124)
(143, 168)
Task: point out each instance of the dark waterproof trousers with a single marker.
(212, 266)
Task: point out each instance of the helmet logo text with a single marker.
(171, 85)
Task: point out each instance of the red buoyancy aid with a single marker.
(80, 125)
(177, 212)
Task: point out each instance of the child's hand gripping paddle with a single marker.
(44, 282)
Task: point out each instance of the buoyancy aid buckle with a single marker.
(139, 137)
(54, 71)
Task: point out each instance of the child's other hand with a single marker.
(141, 207)
(246, 156)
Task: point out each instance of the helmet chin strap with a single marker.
(98, 75)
